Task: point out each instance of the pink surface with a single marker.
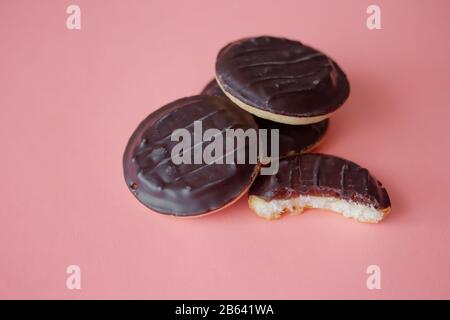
(70, 99)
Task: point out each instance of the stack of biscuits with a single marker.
(260, 83)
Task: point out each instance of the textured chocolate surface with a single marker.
(321, 175)
(281, 76)
(185, 189)
(293, 139)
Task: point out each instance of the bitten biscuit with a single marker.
(323, 182)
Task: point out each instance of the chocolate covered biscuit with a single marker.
(186, 189)
(281, 80)
(320, 181)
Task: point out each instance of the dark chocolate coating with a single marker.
(213, 89)
(294, 139)
(321, 175)
(185, 189)
(281, 76)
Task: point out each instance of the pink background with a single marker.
(70, 99)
